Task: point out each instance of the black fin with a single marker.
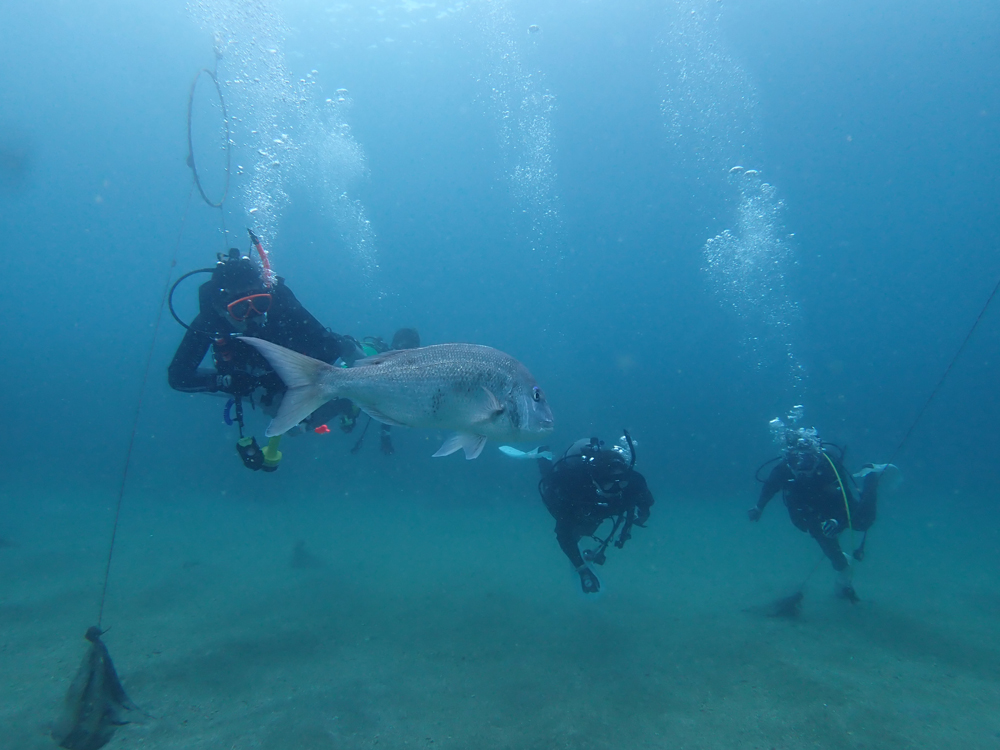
(787, 607)
(94, 702)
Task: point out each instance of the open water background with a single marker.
(544, 178)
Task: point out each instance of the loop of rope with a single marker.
(229, 149)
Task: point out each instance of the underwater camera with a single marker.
(254, 457)
(250, 453)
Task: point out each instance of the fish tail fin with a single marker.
(296, 405)
(304, 377)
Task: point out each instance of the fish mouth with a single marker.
(546, 426)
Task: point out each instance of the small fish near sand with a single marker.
(476, 391)
(303, 559)
(95, 702)
(786, 608)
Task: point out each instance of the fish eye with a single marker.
(536, 393)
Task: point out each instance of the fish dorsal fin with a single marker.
(374, 360)
(472, 445)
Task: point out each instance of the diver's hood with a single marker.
(237, 275)
(232, 278)
(581, 446)
(406, 338)
(602, 459)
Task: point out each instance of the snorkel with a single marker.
(631, 450)
(266, 275)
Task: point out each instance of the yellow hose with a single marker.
(843, 494)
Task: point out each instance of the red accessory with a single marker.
(321, 430)
(222, 350)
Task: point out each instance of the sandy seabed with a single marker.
(422, 624)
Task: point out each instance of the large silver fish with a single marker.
(476, 391)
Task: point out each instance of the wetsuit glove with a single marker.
(754, 513)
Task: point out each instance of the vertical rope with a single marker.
(138, 410)
(944, 377)
(859, 552)
(196, 183)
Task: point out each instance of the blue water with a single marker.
(544, 178)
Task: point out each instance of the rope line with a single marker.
(944, 377)
(859, 552)
(138, 411)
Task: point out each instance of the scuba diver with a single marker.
(821, 497)
(240, 298)
(404, 338)
(590, 484)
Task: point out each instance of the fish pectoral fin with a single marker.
(493, 402)
(472, 445)
(491, 409)
(380, 417)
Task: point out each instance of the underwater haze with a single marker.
(682, 216)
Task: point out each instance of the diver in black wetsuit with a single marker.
(587, 486)
(236, 300)
(821, 497)
(404, 338)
